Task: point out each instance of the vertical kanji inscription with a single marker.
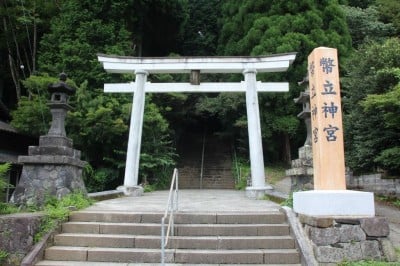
(326, 120)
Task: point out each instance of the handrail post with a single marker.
(172, 207)
(202, 161)
(177, 191)
(162, 242)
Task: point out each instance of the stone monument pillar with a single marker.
(301, 173)
(53, 168)
(329, 197)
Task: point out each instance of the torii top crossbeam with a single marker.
(248, 66)
(218, 64)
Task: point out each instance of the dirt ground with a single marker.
(393, 216)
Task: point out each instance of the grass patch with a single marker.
(241, 170)
(3, 256)
(289, 201)
(57, 211)
(7, 208)
(392, 201)
(275, 173)
(368, 263)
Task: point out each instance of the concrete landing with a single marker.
(189, 201)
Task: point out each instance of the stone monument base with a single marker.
(134, 191)
(257, 192)
(352, 239)
(334, 203)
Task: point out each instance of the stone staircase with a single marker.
(118, 238)
(217, 165)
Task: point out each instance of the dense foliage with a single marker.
(371, 120)
(48, 37)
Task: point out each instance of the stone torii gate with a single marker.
(248, 66)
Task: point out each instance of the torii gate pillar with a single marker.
(135, 134)
(258, 187)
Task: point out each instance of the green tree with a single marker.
(390, 12)
(32, 117)
(22, 23)
(200, 36)
(373, 69)
(270, 27)
(364, 25)
(389, 105)
(82, 30)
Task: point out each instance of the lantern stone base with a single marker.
(334, 203)
(53, 168)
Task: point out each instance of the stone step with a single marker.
(89, 263)
(94, 254)
(272, 217)
(181, 242)
(180, 229)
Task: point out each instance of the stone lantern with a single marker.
(53, 168)
(59, 105)
(301, 172)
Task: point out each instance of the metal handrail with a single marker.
(202, 161)
(172, 206)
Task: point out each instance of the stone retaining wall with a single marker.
(17, 233)
(338, 239)
(374, 183)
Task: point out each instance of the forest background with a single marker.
(40, 39)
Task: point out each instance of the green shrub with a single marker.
(3, 170)
(289, 201)
(57, 211)
(3, 256)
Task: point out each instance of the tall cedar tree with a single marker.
(257, 27)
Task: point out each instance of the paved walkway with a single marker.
(189, 201)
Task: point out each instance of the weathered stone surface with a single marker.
(40, 180)
(376, 226)
(55, 141)
(370, 250)
(326, 254)
(17, 232)
(322, 222)
(387, 249)
(353, 251)
(350, 233)
(324, 236)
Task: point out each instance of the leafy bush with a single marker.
(5, 208)
(3, 170)
(58, 211)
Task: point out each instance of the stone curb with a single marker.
(306, 250)
(37, 252)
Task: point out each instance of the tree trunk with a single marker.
(13, 70)
(287, 150)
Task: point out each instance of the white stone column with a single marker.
(135, 136)
(258, 185)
